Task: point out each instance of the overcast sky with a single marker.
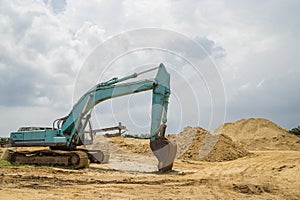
(228, 61)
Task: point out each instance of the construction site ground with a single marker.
(132, 173)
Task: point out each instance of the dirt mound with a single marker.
(131, 144)
(193, 143)
(225, 149)
(198, 144)
(185, 138)
(260, 134)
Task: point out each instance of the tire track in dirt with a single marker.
(12, 178)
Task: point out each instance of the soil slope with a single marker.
(260, 134)
(198, 144)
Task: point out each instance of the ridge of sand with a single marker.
(260, 134)
(198, 144)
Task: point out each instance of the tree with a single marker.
(137, 136)
(295, 131)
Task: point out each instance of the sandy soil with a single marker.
(263, 175)
(260, 134)
(132, 174)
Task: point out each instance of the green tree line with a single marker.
(295, 131)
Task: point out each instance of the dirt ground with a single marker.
(132, 174)
(264, 175)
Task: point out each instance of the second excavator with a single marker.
(69, 133)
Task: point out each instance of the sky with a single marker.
(228, 60)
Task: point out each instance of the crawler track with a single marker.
(71, 159)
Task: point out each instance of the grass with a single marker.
(4, 163)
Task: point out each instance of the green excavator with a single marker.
(68, 134)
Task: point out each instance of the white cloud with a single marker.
(255, 45)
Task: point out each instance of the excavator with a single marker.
(68, 135)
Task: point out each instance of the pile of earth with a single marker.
(260, 134)
(133, 145)
(193, 143)
(198, 144)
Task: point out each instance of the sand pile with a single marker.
(260, 134)
(185, 138)
(224, 150)
(131, 144)
(194, 143)
(198, 144)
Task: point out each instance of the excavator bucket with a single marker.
(165, 152)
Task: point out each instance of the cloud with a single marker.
(194, 78)
(45, 44)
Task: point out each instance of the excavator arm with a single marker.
(74, 124)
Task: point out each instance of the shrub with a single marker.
(295, 131)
